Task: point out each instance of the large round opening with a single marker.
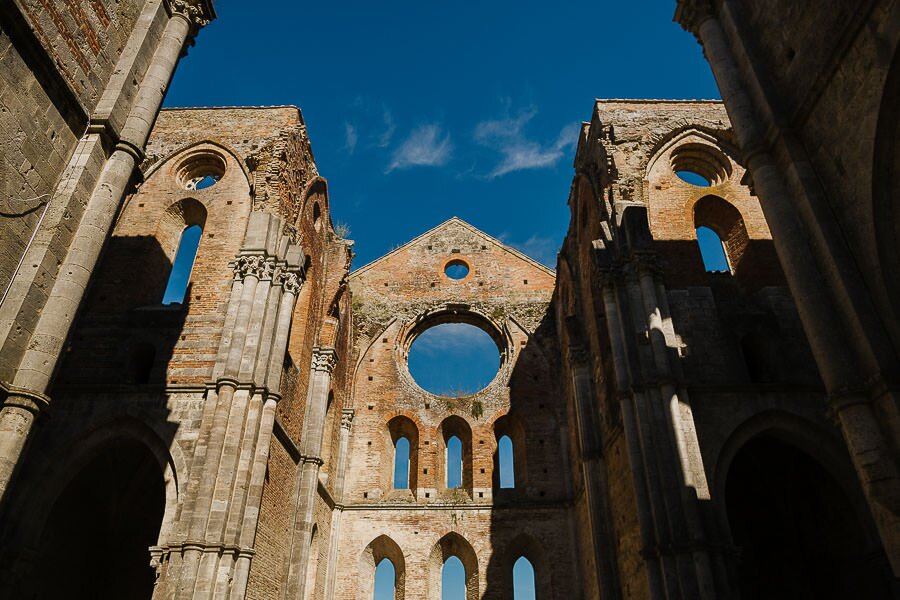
(453, 359)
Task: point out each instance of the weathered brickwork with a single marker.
(675, 369)
(677, 433)
(811, 90)
(134, 366)
(396, 298)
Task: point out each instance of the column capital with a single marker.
(290, 281)
(253, 265)
(324, 359)
(690, 14)
(347, 418)
(33, 401)
(196, 12)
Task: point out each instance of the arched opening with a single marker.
(721, 234)
(313, 566)
(712, 250)
(509, 458)
(797, 532)
(385, 580)
(180, 275)
(401, 464)
(95, 544)
(456, 467)
(453, 580)
(523, 580)
(507, 469)
(403, 436)
(454, 462)
(453, 569)
(382, 571)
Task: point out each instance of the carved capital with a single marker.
(268, 270)
(197, 12)
(347, 418)
(690, 14)
(324, 359)
(248, 265)
(290, 281)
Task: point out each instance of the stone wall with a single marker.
(673, 366)
(506, 294)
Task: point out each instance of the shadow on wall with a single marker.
(101, 468)
(532, 427)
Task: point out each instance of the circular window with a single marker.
(201, 170)
(456, 269)
(700, 165)
(453, 359)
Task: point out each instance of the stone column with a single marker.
(343, 444)
(619, 348)
(593, 472)
(324, 360)
(290, 284)
(39, 361)
(837, 337)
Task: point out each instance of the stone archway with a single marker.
(796, 530)
(95, 543)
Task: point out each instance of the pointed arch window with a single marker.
(712, 250)
(180, 276)
(453, 579)
(523, 580)
(507, 468)
(454, 462)
(401, 464)
(385, 580)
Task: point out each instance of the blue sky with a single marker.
(419, 111)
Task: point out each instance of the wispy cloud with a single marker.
(350, 137)
(427, 145)
(541, 249)
(389, 128)
(517, 152)
(455, 338)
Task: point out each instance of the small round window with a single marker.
(203, 182)
(202, 169)
(456, 269)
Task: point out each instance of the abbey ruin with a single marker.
(676, 432)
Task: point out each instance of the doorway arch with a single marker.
(796, 528)
(96, 538)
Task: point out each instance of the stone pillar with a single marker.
(837, 337)
(290, 284)
(39, 361)
(619, 348)
(593, 472)
(324, 360)
(343, 445)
